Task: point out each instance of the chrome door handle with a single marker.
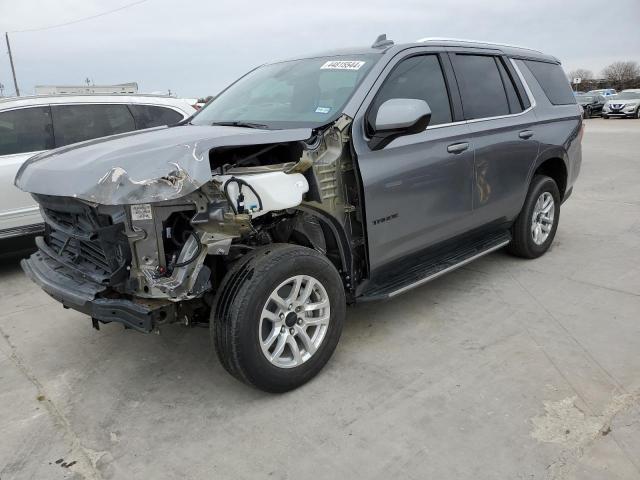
(457, 147)
(525, 134)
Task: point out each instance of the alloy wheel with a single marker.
(294, 321)
(542, 218)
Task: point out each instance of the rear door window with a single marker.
(553, 81)
(77, 123)
(25, 130)
(418, 77)
(148, 116)
(481, 86)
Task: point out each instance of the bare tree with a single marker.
(622, 74)
(582, 73)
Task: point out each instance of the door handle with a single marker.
(525, 134)
(457, 147)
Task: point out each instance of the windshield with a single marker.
(627, 96)
(300, 93)
(584, 99)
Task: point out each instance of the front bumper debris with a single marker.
(82, 294)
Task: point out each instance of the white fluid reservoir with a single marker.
(277, 190)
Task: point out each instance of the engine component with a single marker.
(260, 193)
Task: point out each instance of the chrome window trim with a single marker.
(440, 125)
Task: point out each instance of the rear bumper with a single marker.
(82, 294)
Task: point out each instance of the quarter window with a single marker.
(148, 116)
(481, 86)
(77, 123)
(512, 96)
(553, 81)
(25, 130)
(416, 77)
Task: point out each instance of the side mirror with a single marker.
(397, 117)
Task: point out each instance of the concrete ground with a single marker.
(505, 369)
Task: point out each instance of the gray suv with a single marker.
(307, 185)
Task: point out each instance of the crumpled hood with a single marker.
(139, 167)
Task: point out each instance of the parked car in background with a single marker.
(605, 92)
(591, 104)
(29, 125)
(306, 185)
(624, 104)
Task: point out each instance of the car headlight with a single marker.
(631, 105)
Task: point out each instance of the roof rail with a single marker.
(445, 39)
(57, 95)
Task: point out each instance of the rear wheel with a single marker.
(278, 317)
(536, 225)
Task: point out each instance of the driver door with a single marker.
(418, 189)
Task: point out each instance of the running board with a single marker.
(435, 266)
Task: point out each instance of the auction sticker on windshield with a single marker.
(342, 65)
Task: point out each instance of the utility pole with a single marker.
(13, 69)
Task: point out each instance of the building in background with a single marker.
(131, 87)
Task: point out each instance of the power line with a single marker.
(80, 19)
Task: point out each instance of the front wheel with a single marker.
(606, 117)
(536, 225)
(278, 316)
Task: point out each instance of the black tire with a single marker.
(235, 317)
(587, 113)
(606, 117)
(523, 244)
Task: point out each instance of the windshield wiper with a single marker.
(242, 124)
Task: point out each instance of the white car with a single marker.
(624, 104)
(30, 125)
(605, 92)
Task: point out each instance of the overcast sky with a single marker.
(196, 47)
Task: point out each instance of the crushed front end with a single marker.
(84, 260)
(158, 254)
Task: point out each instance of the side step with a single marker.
(430, 267)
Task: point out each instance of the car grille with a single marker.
(85, 240)
(616, 106)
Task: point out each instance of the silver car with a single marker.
(625, 104)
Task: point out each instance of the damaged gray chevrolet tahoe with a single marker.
(305, 186)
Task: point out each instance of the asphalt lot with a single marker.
(505, 369)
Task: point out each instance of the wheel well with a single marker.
(557, 170)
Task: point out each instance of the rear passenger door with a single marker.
(502, 129)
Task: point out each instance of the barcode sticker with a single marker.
(141, 212)
(342, 65)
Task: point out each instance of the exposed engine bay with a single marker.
(169, 256)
